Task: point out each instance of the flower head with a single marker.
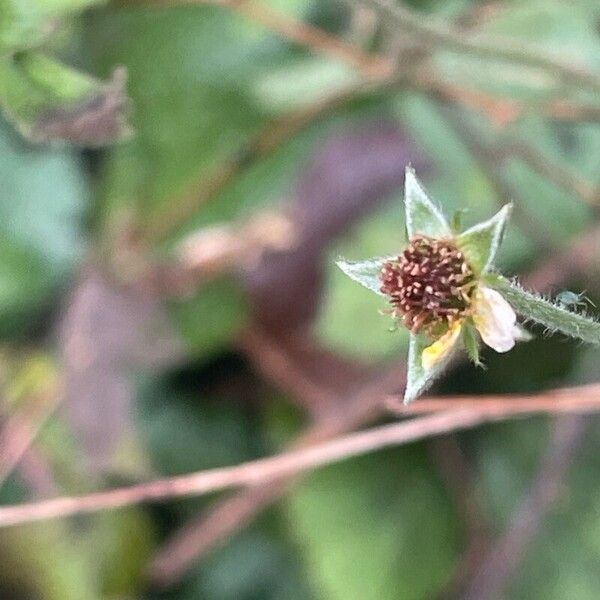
(430, 285)
(437, 288)
(443, 288)
(433, 289)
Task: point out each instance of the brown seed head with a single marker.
(429, 285)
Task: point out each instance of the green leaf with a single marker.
(480, 243)
(41, 205)
(422, 215)
(24, 280)
(365, 272)
(471, 342)
(189, 122)
(534, 307)
(27, 23)
(47, 560)
(419, 379)
(360, 527)
(210, 319)
(368, 338)
(49, 101)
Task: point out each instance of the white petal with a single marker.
(495, 319)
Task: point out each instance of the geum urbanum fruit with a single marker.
(444, 289)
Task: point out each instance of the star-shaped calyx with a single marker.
(437, 287)
(444, 289)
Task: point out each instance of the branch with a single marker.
(263, 471)
(439, 35)
(229, 515)
(371, 66)
(502, 110)
(23, 427)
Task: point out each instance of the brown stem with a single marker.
(260, 472)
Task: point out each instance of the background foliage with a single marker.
(163, 378)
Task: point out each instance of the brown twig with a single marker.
(222, 248)
(23, 427)
(278, 365)
(260, 472)
(228, 516)
(441, 36)
(371, 66)
(501, 110)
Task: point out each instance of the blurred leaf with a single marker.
(375, 528)
(185, 122)
(565, 31)
(42, 197)
(302, 83)
(209, 320)
(25, 24)
(257, 564)
(108, 330)
(49, 101)
(123, 544)
(189, 425)
(46, 562)
(24, 282)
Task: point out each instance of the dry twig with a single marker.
(23, 427)
(260, 472)
(228, 516)
(370, 66)
(439, 35)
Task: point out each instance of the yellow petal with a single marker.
(433, 354)
(495, 319)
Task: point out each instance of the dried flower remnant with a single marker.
(430, 286)
(433, 289)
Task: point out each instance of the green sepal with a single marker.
(365, 272)
(419, 379)
(422, 215)
(480, 243)
(554, 317)
(470, 340)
